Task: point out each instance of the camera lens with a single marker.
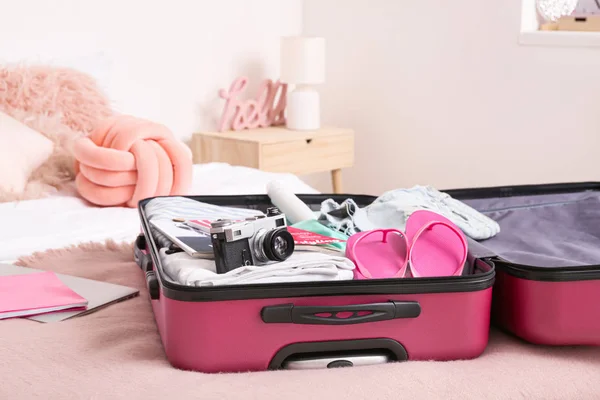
(278, 244)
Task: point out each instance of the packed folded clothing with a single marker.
(390, 210)
(300, 267)
(404, 233)
(393, 208)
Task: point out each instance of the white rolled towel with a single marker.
(287, 202)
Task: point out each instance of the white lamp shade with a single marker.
(302, 60)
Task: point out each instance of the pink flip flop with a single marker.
(380, 253)
(437, 246)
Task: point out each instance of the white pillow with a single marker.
(22, 151)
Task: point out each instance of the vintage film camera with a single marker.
(254, 241)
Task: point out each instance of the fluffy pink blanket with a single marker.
(62, 104)
(116, 353)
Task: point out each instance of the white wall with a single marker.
(440, 92)
(164, 60)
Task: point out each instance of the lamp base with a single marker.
(303, 109)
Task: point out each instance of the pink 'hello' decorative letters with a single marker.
(254, 113)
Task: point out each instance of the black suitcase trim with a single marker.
(307, 289)
(473, 283)
(522, 190)
(529, 272)
(562, 274)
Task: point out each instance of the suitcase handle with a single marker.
(340, 315)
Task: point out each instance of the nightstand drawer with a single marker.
(305, 156)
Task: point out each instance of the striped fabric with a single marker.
(182, 207)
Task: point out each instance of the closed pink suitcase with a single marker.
(258, 327)
(547, 260)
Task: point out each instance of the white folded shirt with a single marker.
(300, 267)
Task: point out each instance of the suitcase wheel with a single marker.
(143, 260)
(153, 286)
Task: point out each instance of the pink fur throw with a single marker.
(62, 104)
(127, 159)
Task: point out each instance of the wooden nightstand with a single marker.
(277, 149)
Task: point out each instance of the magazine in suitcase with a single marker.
(547, 259)
(260, 326)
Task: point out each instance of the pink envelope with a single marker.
(36, 293)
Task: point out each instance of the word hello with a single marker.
(253, 113)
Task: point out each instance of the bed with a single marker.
(64, 219)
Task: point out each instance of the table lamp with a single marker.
(303, 65)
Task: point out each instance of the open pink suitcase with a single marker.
(269, 326)
(547, 260)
